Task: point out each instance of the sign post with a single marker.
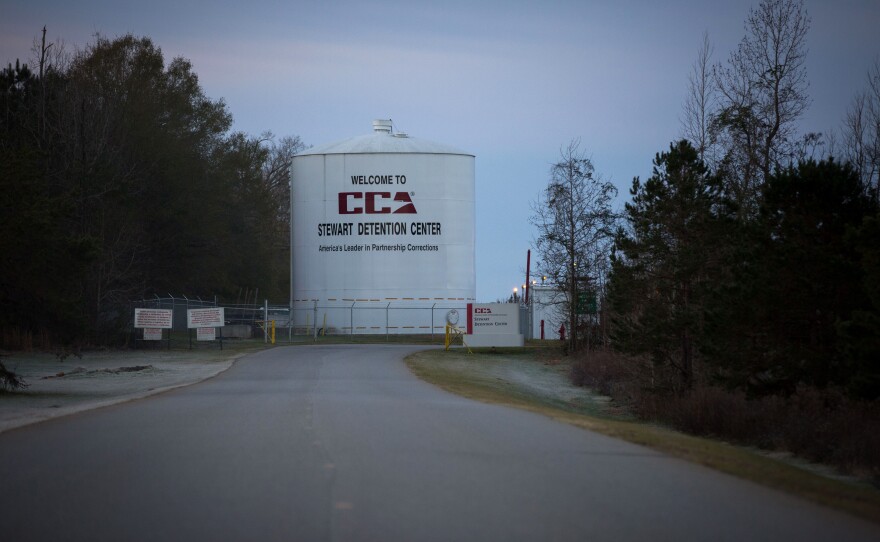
(206, 321)
(586, 303)
(153, 321)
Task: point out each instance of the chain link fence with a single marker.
(354, 320)
(360, 318)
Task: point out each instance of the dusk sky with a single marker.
(510, 82)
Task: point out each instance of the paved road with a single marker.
(343, 443)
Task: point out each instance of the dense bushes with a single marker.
(825, 426)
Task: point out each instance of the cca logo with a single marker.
(482, 310)
(375, 203)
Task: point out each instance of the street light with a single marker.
(514, 294)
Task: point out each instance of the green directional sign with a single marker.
(586, 302)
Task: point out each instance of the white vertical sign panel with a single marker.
(208, 317)
(153, 318)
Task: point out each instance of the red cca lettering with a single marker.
(375, 203)
(484, 310)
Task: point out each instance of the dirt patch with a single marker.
(83, 371)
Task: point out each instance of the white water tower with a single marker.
(381, 220)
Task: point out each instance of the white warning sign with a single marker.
(210, 317)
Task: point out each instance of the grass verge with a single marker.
(473, 377)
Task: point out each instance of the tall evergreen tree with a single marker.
(661, 263)
(42, 260)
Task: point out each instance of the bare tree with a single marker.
(699, 106)
(763, 91)
(276, 175)
(50, 59)
(575, 223)
(861, 132)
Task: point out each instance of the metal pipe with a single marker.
(528, 268)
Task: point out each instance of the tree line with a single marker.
(121, 179)
(750, 258)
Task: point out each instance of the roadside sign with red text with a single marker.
(153, 318)
(209, 317)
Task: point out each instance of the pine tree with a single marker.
(792, 274)
(661, 260)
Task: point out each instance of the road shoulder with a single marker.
(487, 377)
(59, 387)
